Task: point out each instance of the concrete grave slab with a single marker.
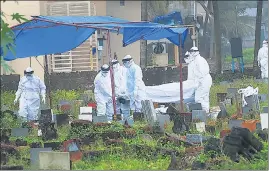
(200, 126)
(85, 117)
(163, 120)
(194, 138)
(34, 156)
(199, 114)
(54, 160)
(232, 91)
(265, 109)
(235, 123)
(99, 119)
(19, 132)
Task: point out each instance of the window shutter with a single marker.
(80, 58)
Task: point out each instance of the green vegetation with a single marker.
(248, 56)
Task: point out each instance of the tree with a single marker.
(7, 38)
(215, 6)
(143, 43)
(257, 34)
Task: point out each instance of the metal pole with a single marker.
(180, 77)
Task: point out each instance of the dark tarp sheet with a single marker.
(173, 18)
(51, 34)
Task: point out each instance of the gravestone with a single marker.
(85, 110)
(34, 156)
(262, 97)
(224, 83)
(235, 123)
(199, 115)
(85, 117)
(194, 138)
(149, 111)
(221, 97)
(62, 119)
(19, 132)
(246, 110)
(264, 120)
(232, 91)
(200, 127)
(54, 160)
(53, 145)
(252, 101)
(194, 106)
(163, 120)
(265, 109)
(99, 119)
(46, 116)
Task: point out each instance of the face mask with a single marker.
(127, 64)
(28, 75)
(116, 67)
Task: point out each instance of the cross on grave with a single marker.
(149, 111)
(99, 119)
(194, 138)
(54, 160)
(34, 156)
(19, 132)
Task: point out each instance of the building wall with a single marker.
(131, 11)
(28, 9)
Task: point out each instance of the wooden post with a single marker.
(180, 77)
(176, 55)
(47, 76)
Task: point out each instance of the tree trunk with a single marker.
(257, 34)
(217, 36)
(143, 43)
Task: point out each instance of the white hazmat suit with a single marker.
(120, 89)
(198, 71)
(135, 85)
(263, 59)
(29, 90)
(103, 93)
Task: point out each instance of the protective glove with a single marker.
(44, 99)
(16, 100)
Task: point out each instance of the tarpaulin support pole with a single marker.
(47, 76)
(111, 76)
(180, 76)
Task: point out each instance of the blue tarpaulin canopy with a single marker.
(45, 35)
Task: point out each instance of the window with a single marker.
(122, 2)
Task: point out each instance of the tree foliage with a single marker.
(7, 37)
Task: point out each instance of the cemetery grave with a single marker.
(88, 142)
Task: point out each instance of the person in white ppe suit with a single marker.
(198, 71)
(136, 88)
(122, 102)
(103, 93)
(29, 90)
(263, 59)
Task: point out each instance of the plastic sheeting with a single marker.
(169, 19)
(170, 93)
(44, 35)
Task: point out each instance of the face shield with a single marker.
(194, 52)
(104, 70)
(187, 57)
(127, 61)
